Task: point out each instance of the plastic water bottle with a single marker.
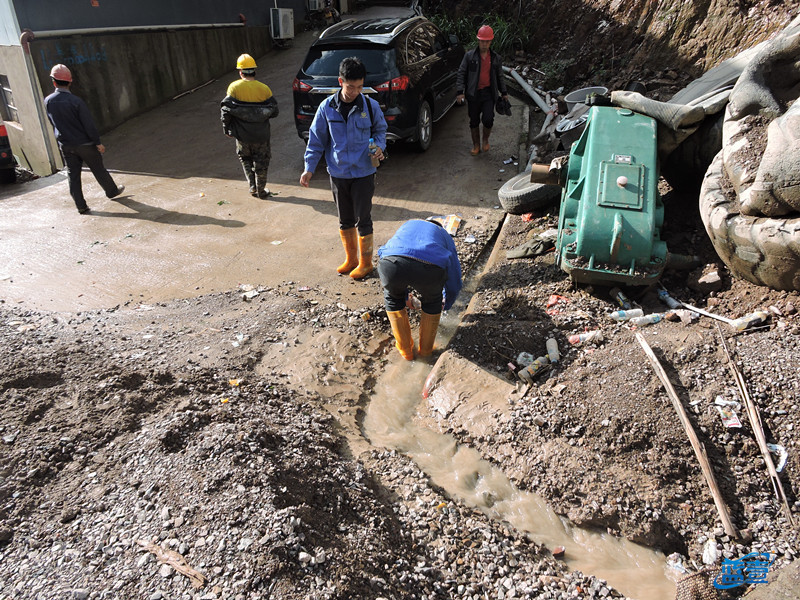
(373, 149)
(664, 296)
(552, 350)
(625, 315)
(532, 370)
(590, 337)
(646, 320)
(752, 320)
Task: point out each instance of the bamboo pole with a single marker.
(699, 450)
(758, 431)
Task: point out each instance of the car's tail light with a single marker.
(398, 84)
(3, 154)
(390, 118)
(300, 117)
(3, 132)
(300, 86)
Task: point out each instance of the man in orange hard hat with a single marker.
(480, 80)
(77, 138)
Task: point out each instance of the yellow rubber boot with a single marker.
(401, 329)
(350, 243)
(364, 267)
(428, 325)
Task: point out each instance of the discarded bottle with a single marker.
(647, 320)
(552, 350)
(525, 358)
(664, 296)
(534, 369)
(373, 149)
(590, 337)
(625, 315)
(621, 299)
(752, 320)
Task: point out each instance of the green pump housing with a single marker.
(611, 213)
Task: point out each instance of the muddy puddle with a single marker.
(634, 570)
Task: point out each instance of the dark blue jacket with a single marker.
(429, 243)
(71, 119)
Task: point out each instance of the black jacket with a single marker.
(470, 70)
(248, 121)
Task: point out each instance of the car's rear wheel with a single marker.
(8, 175)
(424, 126)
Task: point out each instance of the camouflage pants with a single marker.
(255, 162)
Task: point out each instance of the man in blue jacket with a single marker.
(420, 255)
(77, 138)
(341, 130)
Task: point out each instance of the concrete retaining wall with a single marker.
(122, 75)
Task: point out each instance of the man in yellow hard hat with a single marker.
(480, 80)
(77, 138)
(245, 113)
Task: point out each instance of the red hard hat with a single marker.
(61, 73)
(485, 33)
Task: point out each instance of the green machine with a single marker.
(611, 213)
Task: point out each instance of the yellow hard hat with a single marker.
(245, 61)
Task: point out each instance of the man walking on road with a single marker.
(341, 131)
(245, 113)
(77, 138)
(480, 79)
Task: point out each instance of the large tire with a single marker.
(424, 126)
(765, 251)
(519, 196)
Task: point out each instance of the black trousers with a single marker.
(74, 157)
(480, 109)
(398, 273)
(353, 198)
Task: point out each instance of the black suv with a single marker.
(411, 72)
(7, 161)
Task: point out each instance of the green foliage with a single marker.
(509, 36)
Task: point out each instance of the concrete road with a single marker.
(187, 225)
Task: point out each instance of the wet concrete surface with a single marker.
(187, 225)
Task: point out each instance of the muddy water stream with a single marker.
(634, 570)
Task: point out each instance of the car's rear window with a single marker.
(325, 61)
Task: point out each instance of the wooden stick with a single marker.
(758, 431)
(699, 450)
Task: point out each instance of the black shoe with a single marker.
(263, 193)
(120, 189)
(84, 211)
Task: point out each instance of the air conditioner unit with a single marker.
(315, 5)
(281, 23)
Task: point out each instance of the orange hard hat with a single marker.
(485, 33)
(61, 73)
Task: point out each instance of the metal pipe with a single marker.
(536, 97)
(137, 29)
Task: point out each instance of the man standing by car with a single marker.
(480, 79)
(245, 114)
(341, 131)
(77, 138)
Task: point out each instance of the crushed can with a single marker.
(533, 370)
(619, 296)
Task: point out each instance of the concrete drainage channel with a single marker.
(389, 422)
